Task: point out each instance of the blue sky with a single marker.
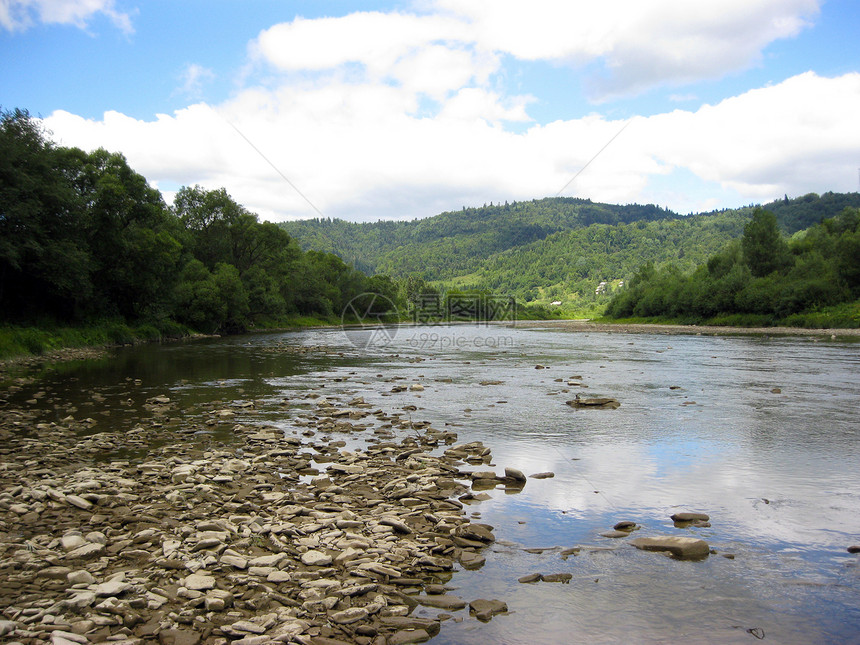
(406, 109)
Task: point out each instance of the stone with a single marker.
(267, 560)
(624, 525)
(532, 577)
(72, 541)
(169, 547)
(563, 578)
(97, 537)
(854, 549)
(314, 558)
(514, 474)
(602, 403)
(54, 573)
(218, 600)
(690, 517)
(178, 637)
(248, 627)
(80, 576)
(199, 582)
(397, 525)
(348, 616)
(546, 475)
(471, 560)
(112, 588)
(278, 577)
(86, 551)
(7, 627)
(685, 548)
(81, 599)
(484, 610)
(235, 561)
(447, 602)
(406, 636)
(59, 635)
(615, 534)
(476, 532)
(78, 501)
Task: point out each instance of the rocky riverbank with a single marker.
(276, 537)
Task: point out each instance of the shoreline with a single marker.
(703, 330)
(27, 362)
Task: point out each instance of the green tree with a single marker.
(44, 261)
(764, 249)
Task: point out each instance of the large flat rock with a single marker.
(685, 548)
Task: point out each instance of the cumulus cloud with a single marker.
(19, 15)
(793, 137)
(384, 115)
(635, 44)
(628, 46)
(359, 151)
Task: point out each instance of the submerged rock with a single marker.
(606, 403)
(690, 517)
(615, 534)
(546, 475)
(484, 610)
(563, 578)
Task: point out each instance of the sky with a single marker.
(400, 110)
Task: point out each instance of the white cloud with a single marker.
(19, 15)
(193, 78)
(376, 40)
(639, 44)
(799, 136)
(359, 151)
(625, 46)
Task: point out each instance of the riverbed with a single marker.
(757, 431)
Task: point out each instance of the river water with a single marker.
(759, 432)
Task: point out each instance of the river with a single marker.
(760, 433)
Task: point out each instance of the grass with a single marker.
(36, 341)
(842, 316)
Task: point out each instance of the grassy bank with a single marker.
(36, 341)
(21, 341)
(841, 316)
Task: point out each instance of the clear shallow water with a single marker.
(779, 473)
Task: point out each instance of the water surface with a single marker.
(760, 433)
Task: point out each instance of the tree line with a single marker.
(762, 278)
(554, 249)
(85, 239)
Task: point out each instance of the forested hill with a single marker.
(458, 242)
(549, 249)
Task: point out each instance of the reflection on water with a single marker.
(760, 433)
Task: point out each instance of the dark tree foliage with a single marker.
(764, 249)
(84, 238)
(761, 276)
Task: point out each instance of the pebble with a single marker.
(162, 540)
(199, 582)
